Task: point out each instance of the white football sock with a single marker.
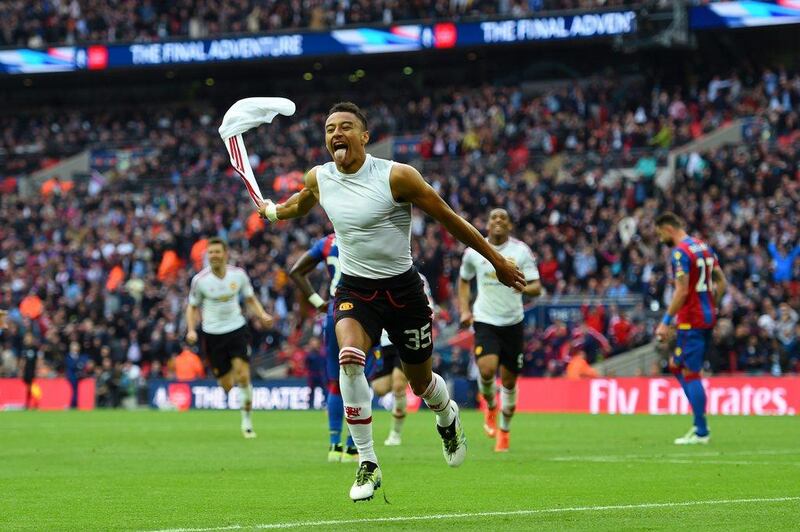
(509, 403)
(357, 399)
(246, 394)
(488, 390)
(438, 399)
(399, 411)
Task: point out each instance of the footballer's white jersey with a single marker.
(218, 298)
(498, 304)
(425, 286)
(373, 231)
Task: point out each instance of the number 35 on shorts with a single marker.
(417, 339)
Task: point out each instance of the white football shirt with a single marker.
(498, 304)
(218, 298)
(373, 231)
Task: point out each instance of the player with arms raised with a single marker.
(699, 285)
(214, 297)
(369, 202)
(498, 321)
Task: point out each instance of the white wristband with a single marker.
(316, 300)
(271, 211)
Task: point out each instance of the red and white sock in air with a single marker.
(438, 399)
(357, 399)
(508, 403)
(488, 390)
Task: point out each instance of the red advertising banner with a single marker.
(759, 396)
(48, 394)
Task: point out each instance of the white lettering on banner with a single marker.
(542, 29)
(616, 399)
(498, 31)
(183, 52)
(146, 54)
(609, 396)
(160, 398)
(218, 50)
(264, 398)
(248, 48)
(665, 399)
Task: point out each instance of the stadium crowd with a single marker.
(98, 271)
(46, 22)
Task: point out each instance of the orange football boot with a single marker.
(490, 421)
(501, 444)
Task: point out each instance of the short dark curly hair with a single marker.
(671, 219)
(349, 107)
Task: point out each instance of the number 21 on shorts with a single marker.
(418, 338)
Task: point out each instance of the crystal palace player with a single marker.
(369, 202)
(325, 250)
(499, 334)
(699, 285)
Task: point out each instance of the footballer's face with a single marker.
(217, 255)
(499, 223)
(345, 138)
(666, 234)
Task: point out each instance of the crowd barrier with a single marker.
(47, 394)
(636, 395)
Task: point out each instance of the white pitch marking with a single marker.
(720, 454)
(660, 460)
(436, 517)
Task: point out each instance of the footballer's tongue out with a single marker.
(339, 151)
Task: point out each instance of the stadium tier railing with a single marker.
(634, 363)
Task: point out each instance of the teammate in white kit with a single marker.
(214, 296)
(369, 202)
(498, 321)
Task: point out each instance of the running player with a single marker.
(390, 378)
(498, 321)
(214, 296)
(369, 202)
(699, 285)
(325, 250)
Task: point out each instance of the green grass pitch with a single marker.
(149, 470)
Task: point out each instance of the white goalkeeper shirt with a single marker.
(218, 298)
(498, 304)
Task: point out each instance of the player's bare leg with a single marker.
(508, 397)
(399, 385)
(432, 389)
(357, 397)
(241, 369)
(487, 366)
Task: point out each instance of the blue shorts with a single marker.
(332, 351)
(691, 347)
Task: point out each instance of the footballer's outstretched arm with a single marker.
(680, 294)
(678, 299)
(464, 296)
(408, 186)
(533, 288)
(299, 204)
(720, 284)
(257, 311)
(299, 275)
